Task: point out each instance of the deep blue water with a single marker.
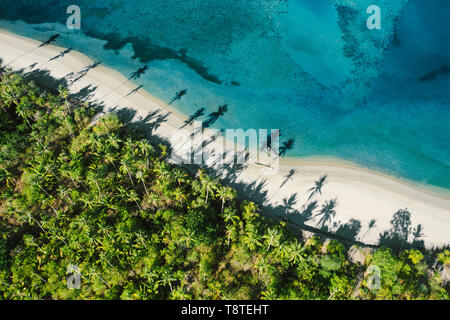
(378, 98)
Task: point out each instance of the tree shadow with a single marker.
(231, 172)
(288, 177)
(134, 91)
(200, 112)
(61, 54)
(143, 127)
(326, 213)
(349, 230)
(214, 116)
(2, 68)
(80, 74)
(286, 146)
(178, 96)
(308, 212)
(44, 79)
(127, 95)
(398, 236)
(49, 40)
(289, 203)
(435, 73)
(318, 185)
(138, 73)
(85, 94)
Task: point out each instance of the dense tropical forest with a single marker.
(97, 194)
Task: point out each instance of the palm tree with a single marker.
(230, 214)
(224, 194)
(179, 195)
(269, 294)
(317, 189)
(146, 149)
(188, 238)
(162, 170)
(167, 278)
(113, 140)
(179, 176)
(327, 212)
(109, 158)
(272, 237)
(281, 251)
(140, 176)
(122, 193)
(133, 196)
(24, 109)
(295, 251)
(87, 200)
(208, 184)
(154, 199)
(124, 168)
(6, 176)
(252, 239)
(64, 192)
(262, 265)
(63, 92)
(230, 233)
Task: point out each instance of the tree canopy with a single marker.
(103, 198)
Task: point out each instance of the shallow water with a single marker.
(379, 98)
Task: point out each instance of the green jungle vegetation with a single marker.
(104, 198)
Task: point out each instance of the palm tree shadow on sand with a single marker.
(77, 76)
(317, 189)
(61, 54)
(214, 116)
(43, 44)
(200, 112)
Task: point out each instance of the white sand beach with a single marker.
(361, 194)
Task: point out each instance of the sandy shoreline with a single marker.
(362, 194)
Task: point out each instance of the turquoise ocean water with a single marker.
(378, 98)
